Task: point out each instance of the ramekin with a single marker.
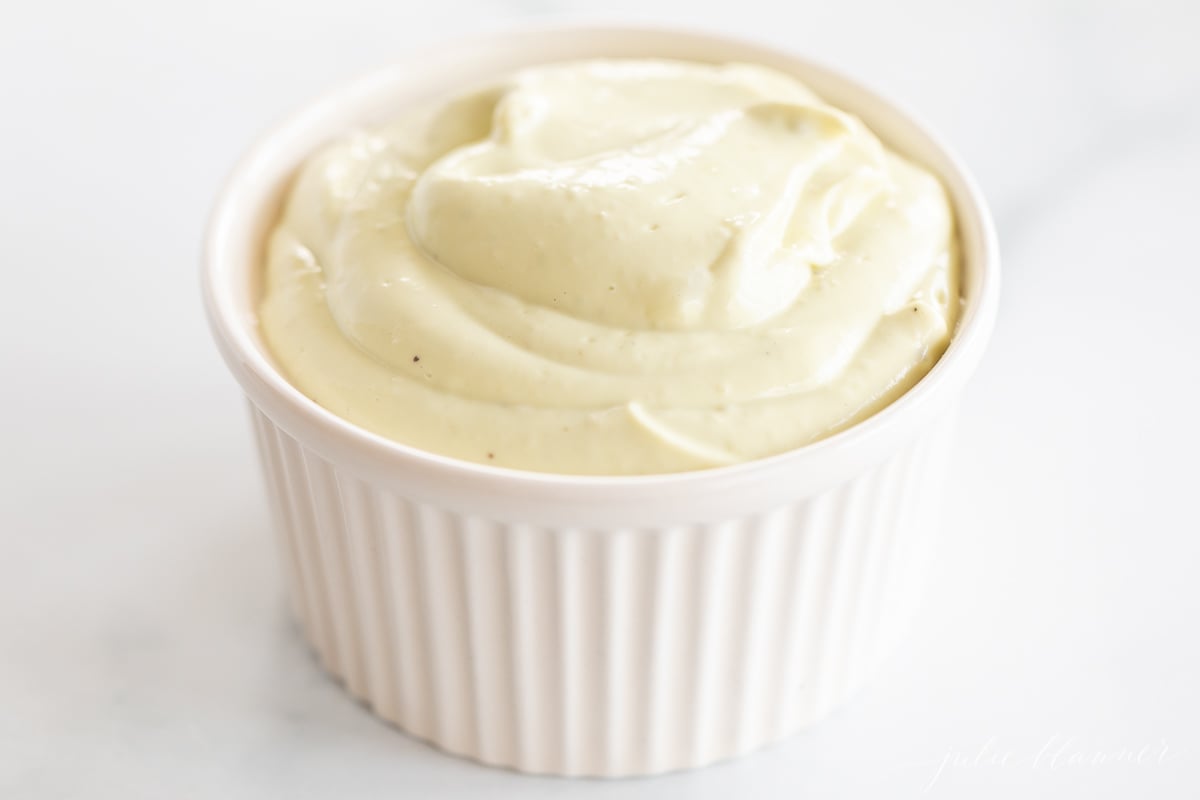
(600, 626)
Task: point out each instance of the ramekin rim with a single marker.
(237, 345)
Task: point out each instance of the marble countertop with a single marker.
(144, 647)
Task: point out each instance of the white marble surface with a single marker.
(144, 649)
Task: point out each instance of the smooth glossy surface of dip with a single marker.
(612, 267)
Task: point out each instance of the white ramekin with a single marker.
(581, 625)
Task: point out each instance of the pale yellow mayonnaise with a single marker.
(612, 267)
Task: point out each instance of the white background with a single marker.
(144, 648)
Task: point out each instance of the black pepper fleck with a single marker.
(491, 455)
(416, 359)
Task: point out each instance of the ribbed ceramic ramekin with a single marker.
(589, 625)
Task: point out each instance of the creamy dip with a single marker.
(612, 267)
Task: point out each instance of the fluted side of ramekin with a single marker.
(601, 651)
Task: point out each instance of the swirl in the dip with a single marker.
(612, 267)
